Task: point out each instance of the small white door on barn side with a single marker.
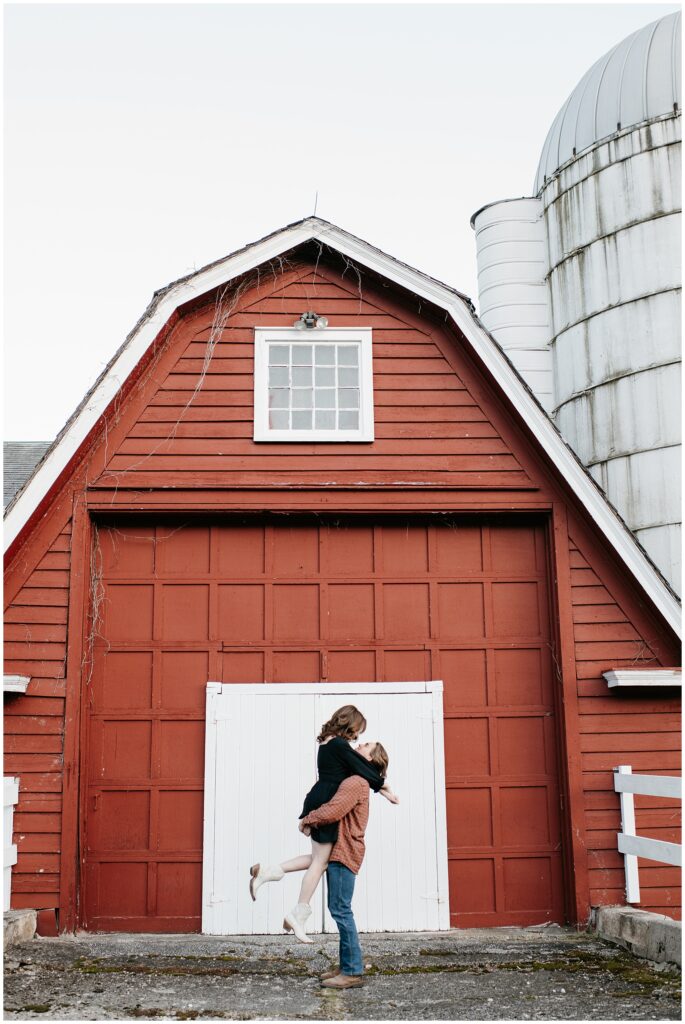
(260, 761)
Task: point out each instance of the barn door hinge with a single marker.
(436, 897)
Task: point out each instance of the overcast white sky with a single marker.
(145, 140)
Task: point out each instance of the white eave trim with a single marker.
(644, 677)
(139, 342)
(15, 684)
(486, 348)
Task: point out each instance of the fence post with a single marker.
(628, 829)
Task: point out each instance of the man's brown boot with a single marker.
(333, 973)
(341, 981)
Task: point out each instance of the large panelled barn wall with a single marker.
(181, 440)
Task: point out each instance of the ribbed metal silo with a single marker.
(593, 325)
(512, 287)
(609, 182)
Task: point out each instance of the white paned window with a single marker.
(313, 385)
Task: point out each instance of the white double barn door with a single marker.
(260, 761)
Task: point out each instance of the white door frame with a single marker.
(434, 688)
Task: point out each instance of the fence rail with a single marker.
(630, 844)
(10, 795)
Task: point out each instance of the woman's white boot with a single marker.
(259, 875)
(294, 921)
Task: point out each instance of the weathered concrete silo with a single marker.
(608, 209)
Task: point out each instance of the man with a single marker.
(350, 807)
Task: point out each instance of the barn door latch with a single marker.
(435, 897)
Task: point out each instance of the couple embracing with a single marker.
(335, 815)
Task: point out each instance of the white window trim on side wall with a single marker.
(644, 677)
(15, 684)
(264, 335)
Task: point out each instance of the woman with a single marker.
(336, 761)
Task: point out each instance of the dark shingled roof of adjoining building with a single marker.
(20, 458)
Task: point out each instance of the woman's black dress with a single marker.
(335, 762)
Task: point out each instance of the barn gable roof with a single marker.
(457, 307)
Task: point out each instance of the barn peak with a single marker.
(167, 305)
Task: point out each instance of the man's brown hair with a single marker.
(379, 759)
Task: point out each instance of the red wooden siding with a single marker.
(446, 442)
(465, 601)
(621, 728)
(429, 427)
(35, 646)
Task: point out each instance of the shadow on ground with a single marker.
(495, 974)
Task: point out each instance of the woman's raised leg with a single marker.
(297, 863)
(319, 862)
(313, 865)
(259, 874)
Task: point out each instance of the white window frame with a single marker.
(266, 335)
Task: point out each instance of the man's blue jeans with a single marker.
(340, 891)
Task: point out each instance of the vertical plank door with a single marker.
(260, 762)
(403, 882)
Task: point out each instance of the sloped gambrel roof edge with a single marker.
(456, 305)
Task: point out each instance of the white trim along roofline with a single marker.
(455, 304)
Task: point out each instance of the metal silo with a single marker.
(608, 185)
(512, 287)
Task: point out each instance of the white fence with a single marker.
(10, 797)
(631, 845)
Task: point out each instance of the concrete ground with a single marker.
(546, 973)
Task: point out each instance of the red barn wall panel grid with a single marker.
(462, 601)
(519, 620)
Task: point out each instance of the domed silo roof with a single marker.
(637, 80)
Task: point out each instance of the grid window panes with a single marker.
(314, 385)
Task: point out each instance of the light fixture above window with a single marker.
(310, 320)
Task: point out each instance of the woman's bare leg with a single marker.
(318, 864)
(297, 863)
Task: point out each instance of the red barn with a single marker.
(310, 462)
